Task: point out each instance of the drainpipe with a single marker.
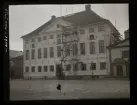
(110, 60)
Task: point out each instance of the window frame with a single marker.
(82, 48)
(46, 53)
(92, 47)
(82, 31)
(101, 46)
(40, 69)
(26, 69)
(51, 69)
(104, 66)
(45, 68)
(91, 66)
(90, 30)
(51, 52)
(33, 69)
(125, 52)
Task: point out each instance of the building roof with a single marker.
(14, 53)
(114, 45)
(79, 18)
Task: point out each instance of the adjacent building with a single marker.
(119, 57)
(42, 47)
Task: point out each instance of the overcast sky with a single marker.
(25, 18)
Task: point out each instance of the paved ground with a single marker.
(74, 89)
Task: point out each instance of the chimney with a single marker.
(53, 17)
(126, 34)
(88, 7)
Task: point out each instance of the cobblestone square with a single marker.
(73, 89)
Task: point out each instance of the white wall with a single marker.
(88, 58)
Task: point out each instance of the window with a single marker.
(51, 52)
(93, 66)
(125, 54)
(82, 48)
(44, 37)
(58, 51)
(45, 52)
(75, 67)
(33, 40)
(45, 68)
(39, 53)
(83, 66)
(33, 46)
(51, 37)
(27, 54)
(91, 37)
(32, 54)
(58, 41)
(32, 69)
(51, 68)
(39, 69)
(101, 46)
(27, 69)
(101, 28)
(75, 49)
(91, 30)
(58, 35)
(39, 39)
(82, 31)
(92, 47)
(68, 67)
(102, 65)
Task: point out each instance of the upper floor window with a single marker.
(33, 69)
(45, 52)
(32, 54)
(39, 53)
(93, 66)
(91, 30)
(39, 68)
(101, 46)
(58, 35)
(39, 39)
(67, 49)
(44, 37)
(27, 69)
(125, 54)
(58, 41)
(27, 54)
(33, 40)
(51, 52)
(82, 31)
(33, 46)
(91, 37)
(92, 47)
(51, 68)
(51, 37)
(102, 65)
(82, 48)
(101, 28)
(58, 51)
(75, 49)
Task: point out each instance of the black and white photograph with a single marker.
(69, 51)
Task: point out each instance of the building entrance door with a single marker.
(58, 71)
(119, 70)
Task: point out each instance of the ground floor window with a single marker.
(119, 69)
(45, 68)
(27, 69)
(93, 66)
(83, 66)
(51, 68)
(68, 67)
(102, 65)
(39, 68)
(32, 69)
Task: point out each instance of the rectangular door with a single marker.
(119, 70)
